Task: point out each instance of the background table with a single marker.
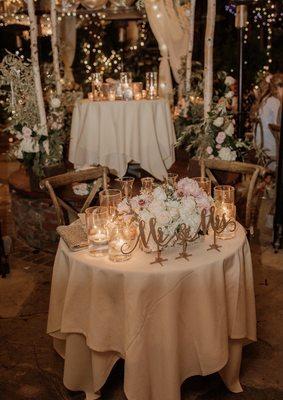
(168, 323)
(114, 133)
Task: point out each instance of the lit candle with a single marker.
(138, 96)
(111, 95)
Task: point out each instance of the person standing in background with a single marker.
(269, 112)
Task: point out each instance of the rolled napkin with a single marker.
(74, 235)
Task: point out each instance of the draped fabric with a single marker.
(170, 25)
(69, 38)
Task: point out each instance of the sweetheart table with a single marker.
(167, 322)
(113, 133)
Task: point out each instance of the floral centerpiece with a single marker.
(170, 207)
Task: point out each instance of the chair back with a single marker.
(64, 210)
(249, 172)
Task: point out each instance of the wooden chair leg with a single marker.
(249, 198)
(59, 213)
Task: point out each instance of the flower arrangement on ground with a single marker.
(170, 206)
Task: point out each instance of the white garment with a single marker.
(268, 114)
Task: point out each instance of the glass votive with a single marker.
(144, 94)
(126, 77)
(97, 80)
(119, 91)
(127, 183)
(121, 235)
(224, 194)
(147, 185)
(171, 179)
(112, 93)
(90, 96)
(110, 198)
(137, 89)
(224, 197)
(204, 183)
(104, 91)
(97, 219)
(228, 211)
(127, 90)
(151, 79)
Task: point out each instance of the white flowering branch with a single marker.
(35, 64)
(208, 55)
(54, 43)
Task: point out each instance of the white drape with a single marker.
(170, 25)
(69, 37)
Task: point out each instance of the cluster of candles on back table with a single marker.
(125, 88)
(108, 233)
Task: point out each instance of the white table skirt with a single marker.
(114, 133)
(167, 323)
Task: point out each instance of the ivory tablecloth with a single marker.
(168, 323)
(113, 133)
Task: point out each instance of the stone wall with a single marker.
(35, 220)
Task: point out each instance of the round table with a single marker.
(113, 133)
(168, 323)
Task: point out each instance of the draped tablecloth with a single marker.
(168, 323)
(113, 133)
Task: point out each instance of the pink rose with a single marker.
(188, 187)
(218, 146)
(220, 137)
(209, 150)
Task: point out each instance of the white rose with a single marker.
(188, 204)
(80, 189)
(55, 102)
(46, 146)
(26, 132)
(229, 94)
(226, 154)
(18, 154)
(218, 121)
(27, 145)
(163, 218)
(230, 130)
(159, 194)
(229, 80)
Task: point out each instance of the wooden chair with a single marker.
(249, 172)
(63, 208)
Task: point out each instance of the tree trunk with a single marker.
(208, 55)
(190, 49)
(54, 43)
(35, 64)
